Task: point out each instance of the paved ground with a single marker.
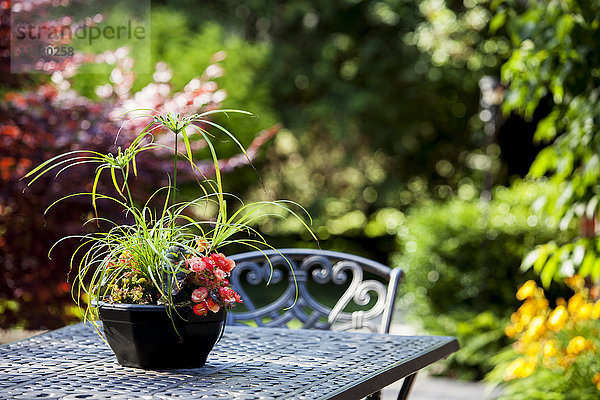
(429, 388)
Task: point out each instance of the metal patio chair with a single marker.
(370, 288)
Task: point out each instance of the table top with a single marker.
(248, 363)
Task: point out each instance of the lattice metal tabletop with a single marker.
(248, 363)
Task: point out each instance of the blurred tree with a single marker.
(556, 59)
(381, 98)
(381, 102)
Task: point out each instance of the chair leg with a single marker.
(407, 386)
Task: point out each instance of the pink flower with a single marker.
(229, 265)
(208, 261)
(219, 259)
(219, 274)
(202, 244)
(229, 296)
(195, 264)
(222, 262)
(199, 294)
(200, 309)
(212, 306)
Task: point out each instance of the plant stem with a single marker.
(175, 172)
(127, 188)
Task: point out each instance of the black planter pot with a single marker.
(143, 336)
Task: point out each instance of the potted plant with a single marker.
(159, 282)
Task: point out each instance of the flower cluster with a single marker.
(210, 273)
(556, 340)
(200, 281)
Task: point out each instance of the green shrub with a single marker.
(462, 258)
(480, 336)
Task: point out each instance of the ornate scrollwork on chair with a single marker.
(373, 297)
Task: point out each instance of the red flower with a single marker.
(212, 306)
(208, 261)
(200, 309)
(229, 296)
(229, 265)
(219, 274)
(199, 294)
(222, 262)
(196, 264)
(202, 245)
(218, 259)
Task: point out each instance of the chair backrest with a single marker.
(310, 267)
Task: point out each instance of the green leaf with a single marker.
(550, 269)
(590, 209)
(564, 27)
(114, 179)
(578, 254)
(546, 128)
(94, 194)
(497, 22)
(543, 256)
(545, 161)
(495, 4)
(530, 259)
(596, 269)
(587, 264)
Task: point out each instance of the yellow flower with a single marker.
(575, 303)
(519, 346)
(575, 282)
(565, 362)
(535, 329)
(515, 318)
(519, 368)
(527, 290)
(528, 308)
(596, 380)
(561, 302)
(576, 345)
(558, 318)
(533, 349)
(595, 310)
(525, 319)
(519, 326)
(585, 311)
(510, 331)
(550, 349)
(541, 304)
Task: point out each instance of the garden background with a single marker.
(448, 138)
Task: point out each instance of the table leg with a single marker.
(374, 396)
(407, 386)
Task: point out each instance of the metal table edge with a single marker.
(397, 371)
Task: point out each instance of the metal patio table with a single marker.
(248, 363)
